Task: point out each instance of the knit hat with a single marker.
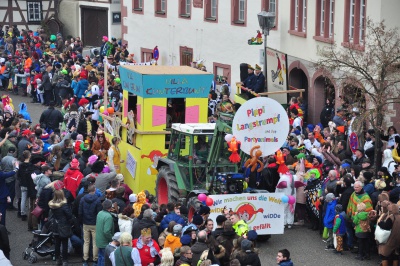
(197, 220)
(92, 159)
(246, 245)
(319, 159)
(132, 198)
(329, 197)
(252, 235)
(79, 137)
(74, 164)
(177, 230)
(83, 102)
(310, 127)
(116, 236)
(107, 204)
(119, 177)
(45, 135)
(204, 210)
(338, 208)
(58, 185)
(185, 240)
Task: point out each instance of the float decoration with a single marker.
(234, 146)
(131, 126)
(253, 161)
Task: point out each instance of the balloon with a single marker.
(209, 201)
(101, 109)
(285, 199)
(105, 112)
(110, 110)
(228, 137)
(292, 199)
(202, 197)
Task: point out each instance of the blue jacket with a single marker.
(369, 188)
(4, 193)
(89, 207)
(169, 218)
(80, 89)
(286, 263)
(330, 214)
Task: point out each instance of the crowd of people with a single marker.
(63, 174)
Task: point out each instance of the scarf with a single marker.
(140, 245)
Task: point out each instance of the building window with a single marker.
(34, 10)
(211, 10)
(161, 8)
(146, 54)
(271, 6)
(324, 20)
(186, 56)
(221, 72)
(355, 16)
(238, 12)
(185, 8)
(298, 17)
(138, 6)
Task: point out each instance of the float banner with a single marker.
(263, 212)
(261, 121)
(277, 74)
(166, 81)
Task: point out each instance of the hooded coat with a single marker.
(173, 242)
(72, 180)
(124, 223)
(61, 212)
(89, 207)
(172, 216)
(390, 221)
(23, 110)
(138, 225)
(81, 87)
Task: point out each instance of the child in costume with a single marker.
(329, 218)
(339, 228)
(363, 229)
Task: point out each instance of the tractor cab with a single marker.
(196, 152)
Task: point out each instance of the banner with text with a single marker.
(263, 212)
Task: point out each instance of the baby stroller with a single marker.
(42, 244)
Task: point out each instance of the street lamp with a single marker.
(267, 22)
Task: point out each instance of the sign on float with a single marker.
(263, 212)
(261, 121)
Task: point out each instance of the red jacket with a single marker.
(72, 180)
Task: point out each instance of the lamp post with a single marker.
(266, 20)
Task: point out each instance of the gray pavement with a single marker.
(306, 246)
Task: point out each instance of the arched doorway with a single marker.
(298, 80)
(323, 90)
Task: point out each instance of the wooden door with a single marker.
(94, 25)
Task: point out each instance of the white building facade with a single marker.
(217, 31)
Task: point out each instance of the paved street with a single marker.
(305, 246)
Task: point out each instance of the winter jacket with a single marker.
(43, 202)
(81, 87)
(394, 195)
(163, 235)
(89, 207)
(6, 146)
(72, 179)
(41, 181)
(124, 223)
(52, 117)
(23, 145)
(286, 263)
(226, 240)
(3, 188)
(138, 225)
(391, 222)
(330, 214)
(120, 202)
(172, 242)
(7, 165)
(172, 216)
(24, 176)
(250, 258)
(197, 250)
(104, 228)
(357, 220)
(61, 213)
(339, 227)
(344, 199)
(103, 179)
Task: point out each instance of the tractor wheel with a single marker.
(193, 206)
(166, 186)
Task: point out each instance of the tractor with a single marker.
(197, 155)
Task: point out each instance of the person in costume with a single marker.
(101, 145)
(146, 250)
(114, 155)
